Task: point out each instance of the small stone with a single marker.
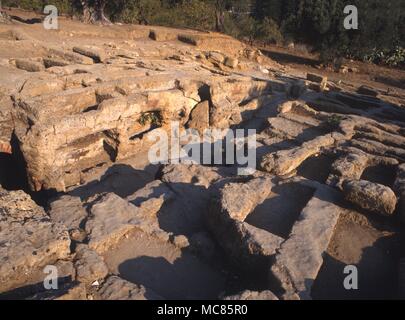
(54, 62)
(90, 267)
(181, 241)
(217, 57)
(78, 235)
(200, 117)
(316, 78)
(92, 52)
(370, 196)
(162, 35)
(343, 69)
(368, 91)
(28, 65)
(264, 70)
(231, 62)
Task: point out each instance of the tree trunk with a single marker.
(3, 16)
(219, 15)
(94, 14)
(99, 12)
(86, 11)
(220, 19)
(142, 19)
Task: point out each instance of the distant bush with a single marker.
(64, 6)
(315, 23)
(196, 14)
(394, 57)
(267, 30)
(23, 4)
(242, 28)
(190, 13)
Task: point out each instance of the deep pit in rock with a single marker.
(381, 174)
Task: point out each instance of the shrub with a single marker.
(154, 118)
(394, 57)
(268, 31)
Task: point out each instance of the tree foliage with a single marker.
(318, 23)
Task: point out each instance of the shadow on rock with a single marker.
(377, 274)
(121, 179)
(186, 278)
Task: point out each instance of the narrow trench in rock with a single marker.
(381, 174)
(316, 168)
(278, 213)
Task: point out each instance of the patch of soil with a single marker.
(164, 268)
(382, 77)
(360, 242)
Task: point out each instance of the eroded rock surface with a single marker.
(244, 243)
(80, 112)
(29, 239)
(370, 196)
(301, 255)
(90, 267)
(112, 218)
(253, 295)
(118, 289)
